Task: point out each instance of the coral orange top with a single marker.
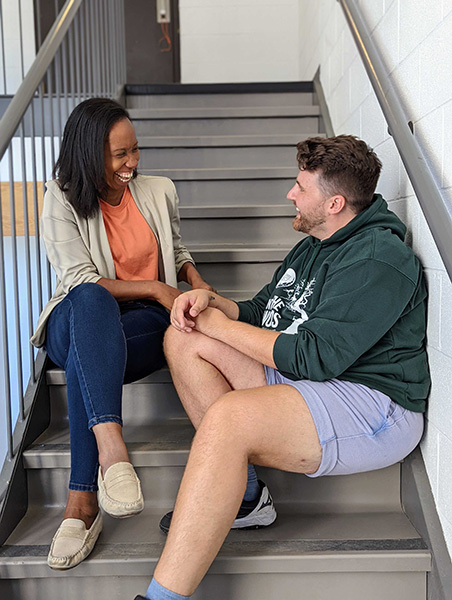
(132, 242)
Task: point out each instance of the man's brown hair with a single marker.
(346, 166)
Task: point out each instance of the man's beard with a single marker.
(307, 223)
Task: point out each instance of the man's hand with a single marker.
(187, 307)
(211, 322)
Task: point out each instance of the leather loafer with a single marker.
(120, 491)
(73, 542)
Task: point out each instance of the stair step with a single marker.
(369, 552)
(231, 224)
(258, 89)
(226, 173)
(159, 451)
(223, 192)
(225, 112)
(235, 252)
(152, 125)
(214, 158)
(221, 141)
(238, 267)
(206, 100)
(56, 376)
(238, 211)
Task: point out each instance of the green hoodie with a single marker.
(351, 307)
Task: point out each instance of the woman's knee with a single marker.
(92, 296)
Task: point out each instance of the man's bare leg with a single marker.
(204, 369)
(269, 426)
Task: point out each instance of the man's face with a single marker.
(309, 202)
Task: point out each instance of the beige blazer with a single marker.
(78, 248)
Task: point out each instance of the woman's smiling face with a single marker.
(121, 159)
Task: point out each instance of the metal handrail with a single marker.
(24, 95)
(436, 209)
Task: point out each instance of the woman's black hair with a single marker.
(80, 168)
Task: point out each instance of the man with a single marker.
(323, 372)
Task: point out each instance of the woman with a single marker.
(112, 237)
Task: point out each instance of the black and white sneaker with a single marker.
(252, 515)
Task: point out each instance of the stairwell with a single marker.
(231, 152)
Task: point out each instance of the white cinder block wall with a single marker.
(19, 53)
(226, 41)
(414, 39)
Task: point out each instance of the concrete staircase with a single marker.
(232, 158)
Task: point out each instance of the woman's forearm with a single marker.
(190, 275)
(130, 290)
(139, 290)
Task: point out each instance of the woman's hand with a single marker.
(189, 274)
(198, 283)
(203, 285)
(165, 294)
(188, 306)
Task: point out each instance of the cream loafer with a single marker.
(73, 542)
(120, 491)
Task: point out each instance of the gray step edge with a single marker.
(237, 211)
(225, 173)
(56, 376)
(169, 446)
(233, 112)
(294, 544)
(233, 88)
(222, 141)
(138, 559)
(237, 254)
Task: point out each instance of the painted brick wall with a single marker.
(414, 39)
(238, 40)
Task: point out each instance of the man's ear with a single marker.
(337, 204)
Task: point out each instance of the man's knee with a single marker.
(230, 416)
(184, 346)
(178, 344)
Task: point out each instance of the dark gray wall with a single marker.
(145, 62)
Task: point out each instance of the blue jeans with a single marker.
(101, 344)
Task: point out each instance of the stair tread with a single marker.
(289, 172)
(167, 442)
(237, 211)
(234, 252)
(232, 88)
(295, 542)
(301, 110)
(221, 141)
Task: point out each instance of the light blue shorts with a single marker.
(360, 429)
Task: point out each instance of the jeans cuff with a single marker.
(104, 419)
(82, 487)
